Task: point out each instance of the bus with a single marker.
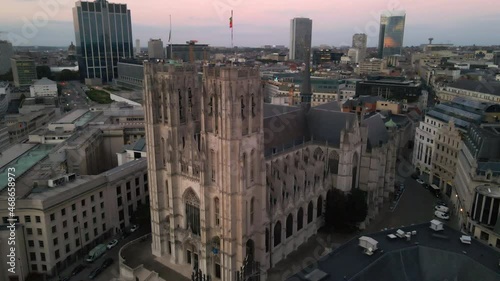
(95, 253)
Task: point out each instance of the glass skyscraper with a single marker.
(392, 28)
(103, 34)
(300, 39)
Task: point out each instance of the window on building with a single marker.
(27, 219)
(252, 210)
(119, 201)
(102, 205)
(54, 229)
(66, 235)
(277, 233)
(31, 243)
(129, 196)
(29, 231)
(84, 214)
(52, 217)
(192, 205)
(34, 267)
(95, 232)
(289, 225)
(39, 231)
(55, 241)
(68, 249)
(42, 256)
(56, 254)
(73, 207)
(101, 194)
(38, 219)
(300, 219)
(40, 243)
(128, 185)
(310, 210)
(118, 190)
(217, 211)
(91, 198)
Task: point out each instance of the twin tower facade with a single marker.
(205, 160)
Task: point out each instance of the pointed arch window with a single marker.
(211, 105)
(213, 162)
(217, 211)
(252, 165)
(242, 108)
(253, 105)
(277, 234)
(252, 210)
(192, 204)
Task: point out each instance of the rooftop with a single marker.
(489, 190)
(44, 82)
(25, 162)
(71, 117)
(417, 259)
(139, 145)
(492, 88)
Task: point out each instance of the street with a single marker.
(73, 96)
(110, 272)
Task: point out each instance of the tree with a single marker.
(356, 206)
(336, 209)
(67, 75)
(43, 71)
(142, 215)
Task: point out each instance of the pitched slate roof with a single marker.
(377, 132)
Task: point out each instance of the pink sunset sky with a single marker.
(259, 22)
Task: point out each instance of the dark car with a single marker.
(414, 176)
(78, 269)
(107, 263)
(95, 273)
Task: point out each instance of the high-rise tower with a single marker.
(359, 42)
(392, 26)
(103, 34)
(300, 39)
(205, 157)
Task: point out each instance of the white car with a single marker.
(441, 215)
(134, 228)
(441, 208)
(112, 244)
(420, 181)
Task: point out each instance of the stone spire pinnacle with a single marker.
(305, 90)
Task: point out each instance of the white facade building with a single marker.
(43, 88)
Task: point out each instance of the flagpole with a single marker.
(169, 39)
(232, 27)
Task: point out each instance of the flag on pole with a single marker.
(231, 20)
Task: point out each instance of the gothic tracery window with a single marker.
(192, 204)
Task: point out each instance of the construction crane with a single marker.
(191, 44)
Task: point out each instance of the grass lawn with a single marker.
(99, 96)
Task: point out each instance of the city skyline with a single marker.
(257, 23)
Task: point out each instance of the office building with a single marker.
(476, 193)
(482, 91)
(23, 70)
(155, 49)
(65, 215)
(325, 56)
(353, 54)
(137, 48)
(439, 135)
(181, 52)
(130, 74)
(103, 34)
(6, 52)
(392, 27)
(43, 88)
(249, 198)
(359, 41)
(390, 88)
(300, 39)
(5, 97)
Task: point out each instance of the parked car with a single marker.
(441, 215)
(420, 181)
(95, 273)
(134, 228)
(414, 176)
(441, 208)
(107, 262)
(112, 244)
(78, 269)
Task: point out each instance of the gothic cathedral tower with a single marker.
(205, 149)
(232, 129)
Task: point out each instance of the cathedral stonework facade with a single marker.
(234, 180)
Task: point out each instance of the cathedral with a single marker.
(234, 180)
